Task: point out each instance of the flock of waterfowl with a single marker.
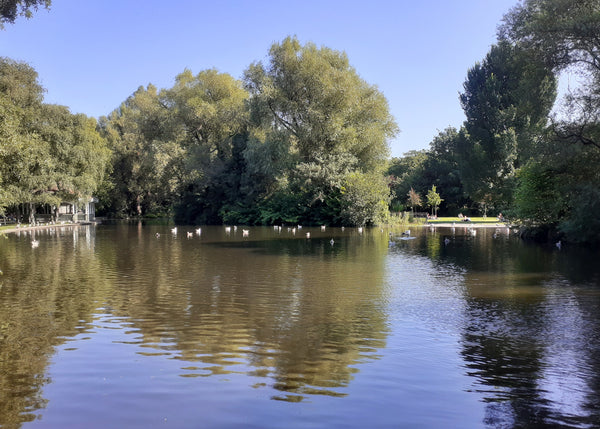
(246, 232)
(405, 235)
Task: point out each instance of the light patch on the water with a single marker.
(563, 381)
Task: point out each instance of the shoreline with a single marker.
(38, 227)
(466, 225)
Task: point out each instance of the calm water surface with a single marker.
(111, 327)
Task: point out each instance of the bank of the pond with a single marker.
(467, 224)
(9, 228)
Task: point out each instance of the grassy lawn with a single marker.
(490, 220)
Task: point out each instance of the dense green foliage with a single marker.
(511, 154)
(302, 139)
(47, 154)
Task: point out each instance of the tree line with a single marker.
(519, 152)
(301, 138)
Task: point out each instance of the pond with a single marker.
(130, 325)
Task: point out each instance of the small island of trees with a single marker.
(301, 138)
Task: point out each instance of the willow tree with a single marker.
(142, 138)
(209, 108)
(314, 103)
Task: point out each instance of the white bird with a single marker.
(190, 234)
(360, 230)
(308, 235)
(342, 228)
(199, 231)
(35, 243)
(157, 235)
(174, 230)
(322, 227)
(331, 242)
(294, 231)
(559, 244)
(234, 228)
(245, 232)
(227, 229)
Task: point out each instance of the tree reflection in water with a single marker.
(301, 321)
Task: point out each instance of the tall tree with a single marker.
(506, 99)
(210, 109)
(140, 134)
(47, 155)
(321, 114)
(321, 101)
(442, 169)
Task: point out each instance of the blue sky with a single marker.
(92, 54)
